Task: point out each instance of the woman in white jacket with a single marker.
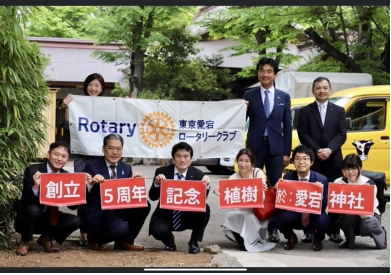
(363, 225)
(241, 225)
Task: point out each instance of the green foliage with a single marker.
(23, 95)
(136, 28)
(359, 32)
(171, 73)
(61, 21)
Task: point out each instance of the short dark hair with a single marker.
(268, 61)
(113, 136)
(352, 161)
(181, 146)
(248, 152)
(305, 150)
(58, 144)
(319, 79)
(91, 78)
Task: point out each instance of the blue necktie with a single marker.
(176, 218)
(266, 105)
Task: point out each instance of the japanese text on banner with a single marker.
(303, 197)
(184, 195)
(213, 129)
(63, 189)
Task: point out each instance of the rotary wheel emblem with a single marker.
(157, 129)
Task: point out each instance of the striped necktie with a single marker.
(176, 218)
(113, 174)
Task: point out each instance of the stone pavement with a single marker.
(364, 255)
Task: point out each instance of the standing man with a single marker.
(32, 217)
(103, 226)
(322, 127)
(286, 221)
(164, 221)
(270, 132)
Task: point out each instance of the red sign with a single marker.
(298, 196)
(351, 199)
(123, 193)
(241, 193)
(63, 189)
(183, 195)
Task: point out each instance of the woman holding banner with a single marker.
(363, 225)
(94, 85)
(241, 225)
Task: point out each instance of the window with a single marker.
(368, 115)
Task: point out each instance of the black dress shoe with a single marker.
(317, 245)
(290, 244)
(170, 244)
(193, 247)
(307, 238)
(335, 238)
(273, 236)
(344, 244)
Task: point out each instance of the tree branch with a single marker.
(349, 63)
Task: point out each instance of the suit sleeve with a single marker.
(325, 183)
(338, 140)
(88, 169)
(28, 197)
(287, 122)
(246, 97)
(303, 130)
(154, 192)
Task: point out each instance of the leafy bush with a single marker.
(23, 96)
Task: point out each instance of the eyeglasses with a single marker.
(351, 169)
(267, 72)
(302, 159)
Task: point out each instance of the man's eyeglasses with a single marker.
(302, 159)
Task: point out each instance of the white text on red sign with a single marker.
(124, 194)
(237, 195)
(315, 198)
(55, 189)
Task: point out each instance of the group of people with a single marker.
(318, 159)
(322, 132)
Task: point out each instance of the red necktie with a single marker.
(53, 214)
(305, 217)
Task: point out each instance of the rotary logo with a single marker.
(157, 129)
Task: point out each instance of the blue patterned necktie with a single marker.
(176, 218)
(266, 105)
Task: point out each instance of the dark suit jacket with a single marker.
(28, 197)
(332, 135)
(314, 177)
(280, 138)
(99, 166)
(154, 192)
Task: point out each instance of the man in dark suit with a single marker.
(322, 127)
(286, 221)
(270, 131)
(164, 221)
(103, 226)
(32, 217)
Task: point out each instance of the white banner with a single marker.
(215, 129)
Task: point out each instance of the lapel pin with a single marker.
(123, 173)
